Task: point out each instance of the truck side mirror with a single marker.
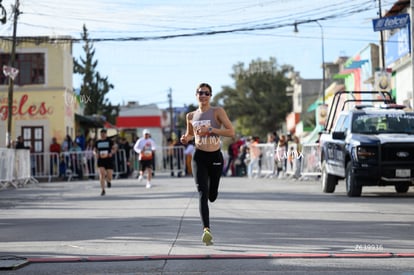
(338, 135)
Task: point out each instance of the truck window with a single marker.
(339, 123)
(345, 125)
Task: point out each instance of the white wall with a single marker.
(404, 84)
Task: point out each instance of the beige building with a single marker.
(44, 104)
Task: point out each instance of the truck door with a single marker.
(337, 147)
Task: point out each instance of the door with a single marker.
(33, 136)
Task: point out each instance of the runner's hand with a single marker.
(183, 139)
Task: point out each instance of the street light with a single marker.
(323, 54)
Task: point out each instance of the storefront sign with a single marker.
(391, 22)
(21, 107)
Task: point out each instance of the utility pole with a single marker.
(323, 62)
(382, 39)
(11, 80)
(412, 48)
(171, 112)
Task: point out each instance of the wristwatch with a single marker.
(210, 130)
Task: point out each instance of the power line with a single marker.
(252, 26)
(260, 27)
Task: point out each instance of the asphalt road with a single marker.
(260, 226)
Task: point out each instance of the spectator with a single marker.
(233, 153)
(76, 160)
(230, 158)
(65, 164)
(298, 156)
(90, 158)
(254, 152)
(288, 140)
(80, 140)
(20, 143)
(271, 140)
(240, 163)
(280, 155)
(54, 150)
(67, 144)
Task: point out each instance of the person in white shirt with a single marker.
(145, 147)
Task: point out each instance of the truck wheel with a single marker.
(402, 187)
(329, 182)
(352, 187)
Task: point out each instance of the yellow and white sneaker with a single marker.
(207, 238)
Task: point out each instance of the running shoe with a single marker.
(207, 238)
(108, 184)
(148, 185)
(103, 193)
(140, 178)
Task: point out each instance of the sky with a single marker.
(154, 47)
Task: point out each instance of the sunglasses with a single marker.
(203, 93)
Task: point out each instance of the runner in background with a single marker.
(104, 149)
(145, 147)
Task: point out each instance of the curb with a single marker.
(218, 256)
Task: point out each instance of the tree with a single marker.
(258, 103)
(94, 87)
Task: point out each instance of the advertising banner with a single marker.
(391, 22)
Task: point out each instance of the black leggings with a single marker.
(207, 169)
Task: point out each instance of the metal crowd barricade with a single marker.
(72, 165)
(168, 159)
(272, 155)
(84, 164)
(120, 163)
(311, 160)
(6, 167)
(291, 159)
(44, 165)
(266, 166)
(23, 163)
(173, 160)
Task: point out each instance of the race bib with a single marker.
(146, 153)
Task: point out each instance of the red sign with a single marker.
(22, 108)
